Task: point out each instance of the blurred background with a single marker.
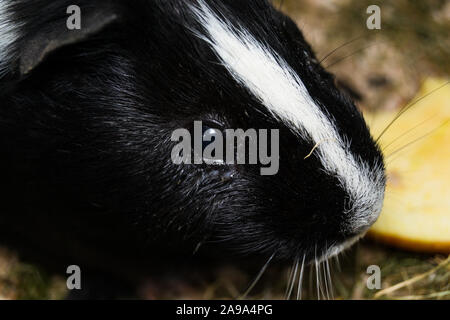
(382, 70)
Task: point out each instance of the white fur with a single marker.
(269, 78)
(8, 35)
(335, 250)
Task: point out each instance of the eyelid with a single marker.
(213, 124)
(211, 130)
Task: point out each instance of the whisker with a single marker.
(290, 277)
(338, 262)
(340, 47)
(329, 278)
(321, 281)
(311, 281)
(292, 283)
(392, 160)
(416, 140)
(325, 276)
(326, 282)
(300, 279)
(317, 272)
(406, 132)
(407, 107)
(261, 272)
(317, 282)
(350, 55)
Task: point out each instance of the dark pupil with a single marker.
(206, 129)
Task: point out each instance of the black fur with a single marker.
(87, 176)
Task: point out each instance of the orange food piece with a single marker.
(416, 212)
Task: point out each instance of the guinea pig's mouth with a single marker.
(336, 249)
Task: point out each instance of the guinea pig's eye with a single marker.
(212, 145)
(209, 135)
(208, 142)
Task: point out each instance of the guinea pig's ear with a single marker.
(57, 35)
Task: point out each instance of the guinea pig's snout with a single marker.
(325, 202)
(348, 228)
(363, 205)
(367, 208)
(352, 206)
(360, 225)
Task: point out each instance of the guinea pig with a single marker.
(87, 117)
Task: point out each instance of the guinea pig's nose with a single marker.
(361, 230)
(362, 226)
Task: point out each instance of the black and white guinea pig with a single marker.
(86, 118)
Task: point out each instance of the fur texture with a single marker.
(272, 81)
(8, 36)
(87, 173)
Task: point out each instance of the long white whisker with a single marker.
(325, 276)
(325, 280)
(291, 287)
(311, 281)
(329, 278)
(261, 272)
(289, 280)
(300, 279)
(338, 262)
(317, 272)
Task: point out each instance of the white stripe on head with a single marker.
(8, 35)
(270, 79)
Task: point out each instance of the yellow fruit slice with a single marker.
(416, 212)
